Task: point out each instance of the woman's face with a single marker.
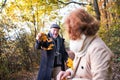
(55, 32)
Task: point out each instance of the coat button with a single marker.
(82, 67)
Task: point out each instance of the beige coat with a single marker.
(94, 63)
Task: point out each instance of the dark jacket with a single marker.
(47, 62)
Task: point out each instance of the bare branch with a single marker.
(3, 5)
(79, 3)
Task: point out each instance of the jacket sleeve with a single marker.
(71, 76)
(65, 54)
(38, 44)
(101, 63)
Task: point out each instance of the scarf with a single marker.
(79, 46)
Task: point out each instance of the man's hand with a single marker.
(38, 37)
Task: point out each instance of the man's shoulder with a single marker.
(63, 39)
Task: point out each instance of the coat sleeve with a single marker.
(38, 44)
(65, 54)
(71, 76)
(101, 63)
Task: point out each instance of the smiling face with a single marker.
(55, 32)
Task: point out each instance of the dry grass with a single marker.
(116, 68)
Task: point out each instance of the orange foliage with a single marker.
(44, 38)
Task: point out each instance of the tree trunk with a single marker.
(96, 8)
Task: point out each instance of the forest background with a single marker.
(21, 20)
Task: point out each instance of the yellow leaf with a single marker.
(70, 63)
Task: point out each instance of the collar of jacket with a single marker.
(88, 40)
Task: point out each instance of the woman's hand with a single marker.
(63, 75)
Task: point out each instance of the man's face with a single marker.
(55, 32)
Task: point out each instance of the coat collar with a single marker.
(87, 41)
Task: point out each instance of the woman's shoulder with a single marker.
(99, 46)
(97, 42)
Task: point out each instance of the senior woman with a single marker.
(93, 58)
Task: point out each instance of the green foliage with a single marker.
(3, 67)
(110, 27)
(111, 37)
(115, 8)
(90, 9)
(118, 59)
(16, 55)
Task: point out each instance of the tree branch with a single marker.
(97, 11)
(3, 5)
(79, 3)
